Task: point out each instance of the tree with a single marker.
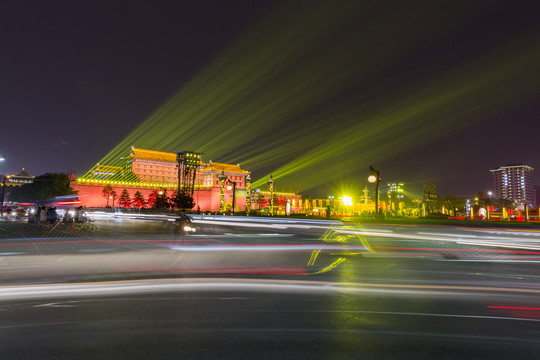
(152, 199)
(455, 204)
(138, 200)
(112, 195)
(507, 203)
(161, 201)
(183, 201)
(44, 187)
(107, 189)
(125, 200)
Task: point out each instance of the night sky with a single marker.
(432, 91)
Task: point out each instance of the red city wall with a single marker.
(207, 199)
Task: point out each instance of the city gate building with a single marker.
(148, 171)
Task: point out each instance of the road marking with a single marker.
(58, 304)
(403, 313)
(40, 324)
(178, 258)
(499, 276)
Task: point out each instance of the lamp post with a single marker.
(488, 207)
(271, 190)
(375, 177)
(222, 179)
(3, 158)
(233, 194)
(113, 196)
(248, 193)
(3, 195)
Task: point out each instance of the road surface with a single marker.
(270, 290)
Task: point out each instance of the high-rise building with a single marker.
(395, 188)
(396, 195)
(515, 182)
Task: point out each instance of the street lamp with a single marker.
(222, 179)
(113, 196)
(490, 194)
(248, 193)
(3, 158)
(375, 178)
(271, 190)
(3, 195)
(233, 188)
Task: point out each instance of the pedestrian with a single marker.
(51, 215)
(68, 217)
(82, 215)
(35, 215)
(54, 214)
(43, 215)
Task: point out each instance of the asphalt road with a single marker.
(258, 319)
(269, 290)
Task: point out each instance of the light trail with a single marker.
(497, 244)
(493, 241)
(510, 241)
(514, 308)
(111, 241)
(266, 247)
(58, 291)
(481, 237)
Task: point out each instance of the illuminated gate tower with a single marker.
(150, 166)
(188, 162)
(147, 171)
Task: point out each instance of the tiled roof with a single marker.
(152, 155)
(137, 153)
(228, 168)
(24, 174)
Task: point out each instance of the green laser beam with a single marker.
(258, 103)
